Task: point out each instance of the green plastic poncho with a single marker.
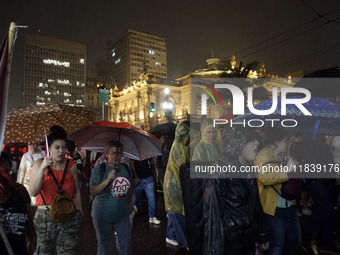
(205, 150)
(179, 155)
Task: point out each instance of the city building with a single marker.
(55, 71)
(151, 101)
(94, 81)
(133, 54)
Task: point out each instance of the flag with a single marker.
(3, 84)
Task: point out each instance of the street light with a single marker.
(168, 105)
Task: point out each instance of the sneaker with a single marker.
(307, 212)
(172, 242)
(154, 220)
(310, 249)
(334, 250)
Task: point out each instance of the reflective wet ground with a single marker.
(149, 239)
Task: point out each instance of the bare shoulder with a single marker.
(74, 169)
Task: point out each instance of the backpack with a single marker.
(62, 208)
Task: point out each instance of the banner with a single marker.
(3, 84)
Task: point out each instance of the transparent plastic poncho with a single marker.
(179, 155)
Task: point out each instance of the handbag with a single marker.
(62, 208)
(290, 189)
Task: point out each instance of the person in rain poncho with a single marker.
(210, 147)
(238, 197)
(179, 154)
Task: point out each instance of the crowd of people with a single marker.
(252, 213)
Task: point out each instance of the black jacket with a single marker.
(241, 212)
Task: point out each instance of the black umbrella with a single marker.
(322, 83)
(166, 129)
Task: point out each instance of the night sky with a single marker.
(191, 30)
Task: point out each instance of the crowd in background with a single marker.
(248, 214)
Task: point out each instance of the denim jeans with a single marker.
(285, 231)
(176, 229)
(321, 191)
(147, 184)
(104, 232)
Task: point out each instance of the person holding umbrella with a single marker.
(55, 237)
(110, 184)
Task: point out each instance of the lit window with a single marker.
(117, 61)
(113, 52)
(79, 101)
(158, 64)
(82, 61)
(47, 92)
(56, 62)
(65, 82)
(50, 80)
(66, 94)
(38, 103)
(48, 99)
(66, 100)
(41, 85)
(152, 52)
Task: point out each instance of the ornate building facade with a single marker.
(152, 101)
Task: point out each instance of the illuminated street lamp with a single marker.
(168, 105)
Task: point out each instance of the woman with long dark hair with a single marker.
(55, 237)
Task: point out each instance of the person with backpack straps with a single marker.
(110, 185)
(56, 237)
(280, 211)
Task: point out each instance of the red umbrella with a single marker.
(137, 143)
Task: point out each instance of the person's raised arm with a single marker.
(96, 189)
(37, 175)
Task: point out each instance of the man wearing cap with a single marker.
(26, 163)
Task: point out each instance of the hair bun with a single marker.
(58, 131)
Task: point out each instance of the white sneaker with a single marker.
(154, 220)
(298, 213)
(307, 212)
(172, 242)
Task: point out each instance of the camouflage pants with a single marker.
(57, 238)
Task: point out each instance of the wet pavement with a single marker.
(147, 238)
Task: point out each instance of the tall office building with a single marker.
(136, 53)
(55, 71)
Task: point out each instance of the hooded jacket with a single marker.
(240, 205)
(179, 154)
(205, 150)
